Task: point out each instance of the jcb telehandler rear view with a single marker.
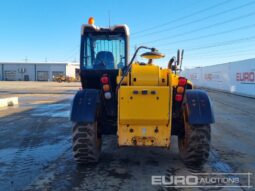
(142, 103)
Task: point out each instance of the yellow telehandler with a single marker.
(143, 104)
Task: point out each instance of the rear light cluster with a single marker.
(106, 86)
(180, 89)
(105, 79)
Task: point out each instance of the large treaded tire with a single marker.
(86, 143)
(194, 147)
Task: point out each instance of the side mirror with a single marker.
(174, 67)
(181, 59)
(180, 56)
(171, 61)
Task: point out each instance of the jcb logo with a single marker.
(245, 76)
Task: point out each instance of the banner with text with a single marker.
(234, 77)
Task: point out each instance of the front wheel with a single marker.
(194, 145)
(86, 143)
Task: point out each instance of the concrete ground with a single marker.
(35, 145)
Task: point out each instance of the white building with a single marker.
(30, 71)
(235, 77)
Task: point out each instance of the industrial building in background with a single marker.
(37, 71)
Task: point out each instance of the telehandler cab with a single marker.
(142, 103)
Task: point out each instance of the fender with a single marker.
(84, 106)
(199, 107)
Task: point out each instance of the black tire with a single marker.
(86, 143)
(194, 146)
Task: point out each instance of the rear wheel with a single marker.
(194, 145)
(86, 143)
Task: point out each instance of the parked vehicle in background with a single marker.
(64, 78)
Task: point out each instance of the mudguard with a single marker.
(84, 106)
(199, 108)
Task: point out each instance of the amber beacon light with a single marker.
(91, 21)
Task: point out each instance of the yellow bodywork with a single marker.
(145, 106)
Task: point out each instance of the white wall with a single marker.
(235, 77)
(70, 70)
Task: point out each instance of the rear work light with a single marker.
(180, 90)
(182, 81)
(107, 95)
(105, 80)
(178, 97)
(106, 87)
